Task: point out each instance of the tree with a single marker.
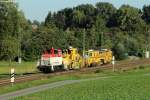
(146, 14)
(129, 19)
(87, 9)
(120, 51)
(101, 25)
(105, 10)
(68, 13)
(35, 22)
(9, 48)
(79, 18)
(9, 19)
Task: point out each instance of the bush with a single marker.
(141, 67)
(120, 51)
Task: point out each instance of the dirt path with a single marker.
(27, 91)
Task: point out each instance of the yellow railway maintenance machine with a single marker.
(72, 59)
(94, 57)
(91, 58)
(105, 56)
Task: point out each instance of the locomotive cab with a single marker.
(51, 60)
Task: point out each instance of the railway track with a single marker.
(120, 65)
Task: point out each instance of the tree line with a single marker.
(124, 30)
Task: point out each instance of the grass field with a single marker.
(23, 68)
(131, 85)
(9, 88)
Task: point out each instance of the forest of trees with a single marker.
(126, 31)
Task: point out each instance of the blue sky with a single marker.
(38, 9)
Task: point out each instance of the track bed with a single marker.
(119, 65)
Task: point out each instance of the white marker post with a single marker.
(19, 60)
(147, 54)
(52, 68)
(12, 80)
(113, 63)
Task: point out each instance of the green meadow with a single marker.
(129, 85)
(23, 68)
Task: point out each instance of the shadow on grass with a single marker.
(8, 75)
(4, 75)
(29, 73)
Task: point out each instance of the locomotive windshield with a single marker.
(55, 51)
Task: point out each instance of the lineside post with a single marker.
(12, 80)
(147, 54)
(113, 63)
(52, 68)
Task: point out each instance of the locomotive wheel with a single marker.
(102, 62)
(59, 68)
(93, 64)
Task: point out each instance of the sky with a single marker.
(38, 9)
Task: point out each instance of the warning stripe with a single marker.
(12, 75)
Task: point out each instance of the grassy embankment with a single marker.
(129, 85)
(23, 68)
